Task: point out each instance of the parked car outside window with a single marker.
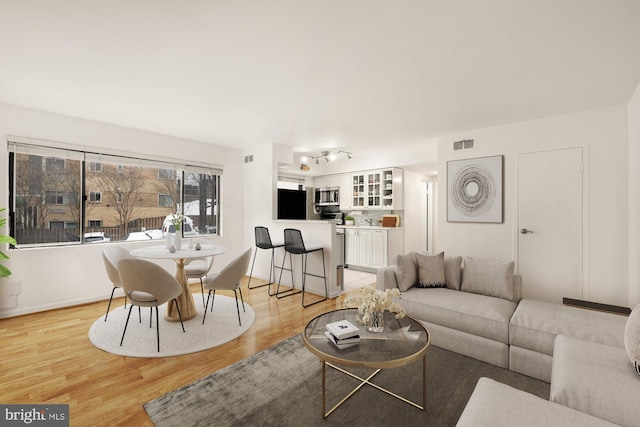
(188, 229)
(96, 237)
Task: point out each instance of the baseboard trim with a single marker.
(596, 306)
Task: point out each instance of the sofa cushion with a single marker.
(480, 315)
(494, 404)
(535, 325)
(632, 337)
(453, 272)
(591, 377)
(488, 277)
(406, 270)
(431, 271)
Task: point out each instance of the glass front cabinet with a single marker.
(376, 189)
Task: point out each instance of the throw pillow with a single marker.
(488, 277)
(632, 337)
(431, 271)
(452, 272)
(406, 270)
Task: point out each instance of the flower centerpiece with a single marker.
(176, 220)
(175, 238)
(372, 304)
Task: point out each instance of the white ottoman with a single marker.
(596, 379)
(494, 404)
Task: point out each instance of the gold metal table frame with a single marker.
(402, 336)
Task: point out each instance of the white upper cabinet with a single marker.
(346, 191)
(326, 181)
(392, 189)
(375, 189)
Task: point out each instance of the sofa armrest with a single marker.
(386, 278)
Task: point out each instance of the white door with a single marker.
(550, 224)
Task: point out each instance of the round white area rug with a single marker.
(220, 326)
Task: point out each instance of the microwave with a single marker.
(327, 196)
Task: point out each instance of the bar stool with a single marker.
(294, 245)
(263, 241)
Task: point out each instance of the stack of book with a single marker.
(343, 334)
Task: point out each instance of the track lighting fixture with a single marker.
(329, 156)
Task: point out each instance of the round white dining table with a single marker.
(180, 256)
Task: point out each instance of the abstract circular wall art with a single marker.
(475, 190)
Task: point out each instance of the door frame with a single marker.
(586, 282)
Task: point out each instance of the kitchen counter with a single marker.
(368, 227)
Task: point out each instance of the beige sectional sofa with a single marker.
(462, 317)
(536, 324)
(480, 314)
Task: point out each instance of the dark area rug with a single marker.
(282, 386)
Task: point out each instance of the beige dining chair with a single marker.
(111, 254)
(148, 285)
(228, 280)
(198, 268)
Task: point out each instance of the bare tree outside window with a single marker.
(121, 191)
(47, 197)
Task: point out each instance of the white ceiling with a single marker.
(316, 74)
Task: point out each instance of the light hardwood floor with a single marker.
(48, 358)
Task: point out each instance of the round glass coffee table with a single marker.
(402, 342)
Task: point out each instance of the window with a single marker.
(53, 164)
(165, 200)
(165, 174)
(201, 201)
(56, 196)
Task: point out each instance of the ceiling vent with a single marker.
(248, 159)
(465, 144)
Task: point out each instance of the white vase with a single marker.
(177, 240)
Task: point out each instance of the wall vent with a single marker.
(464, 144)
(248, 159)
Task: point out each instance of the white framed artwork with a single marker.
(474, 190)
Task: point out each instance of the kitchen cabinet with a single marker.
(375, 189)
(392, 189)
(358, 191)
(366, 190)
(357, 242)
(374, 196)
(378, 251)
(370, 248)
(346, 191)
(326, 181)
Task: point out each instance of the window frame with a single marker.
(60, 152)
(95, 197)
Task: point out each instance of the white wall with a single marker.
(603, 134)
(61, 276)
(634, 198)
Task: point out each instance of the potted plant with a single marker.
(4, 271)
(348, 220)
